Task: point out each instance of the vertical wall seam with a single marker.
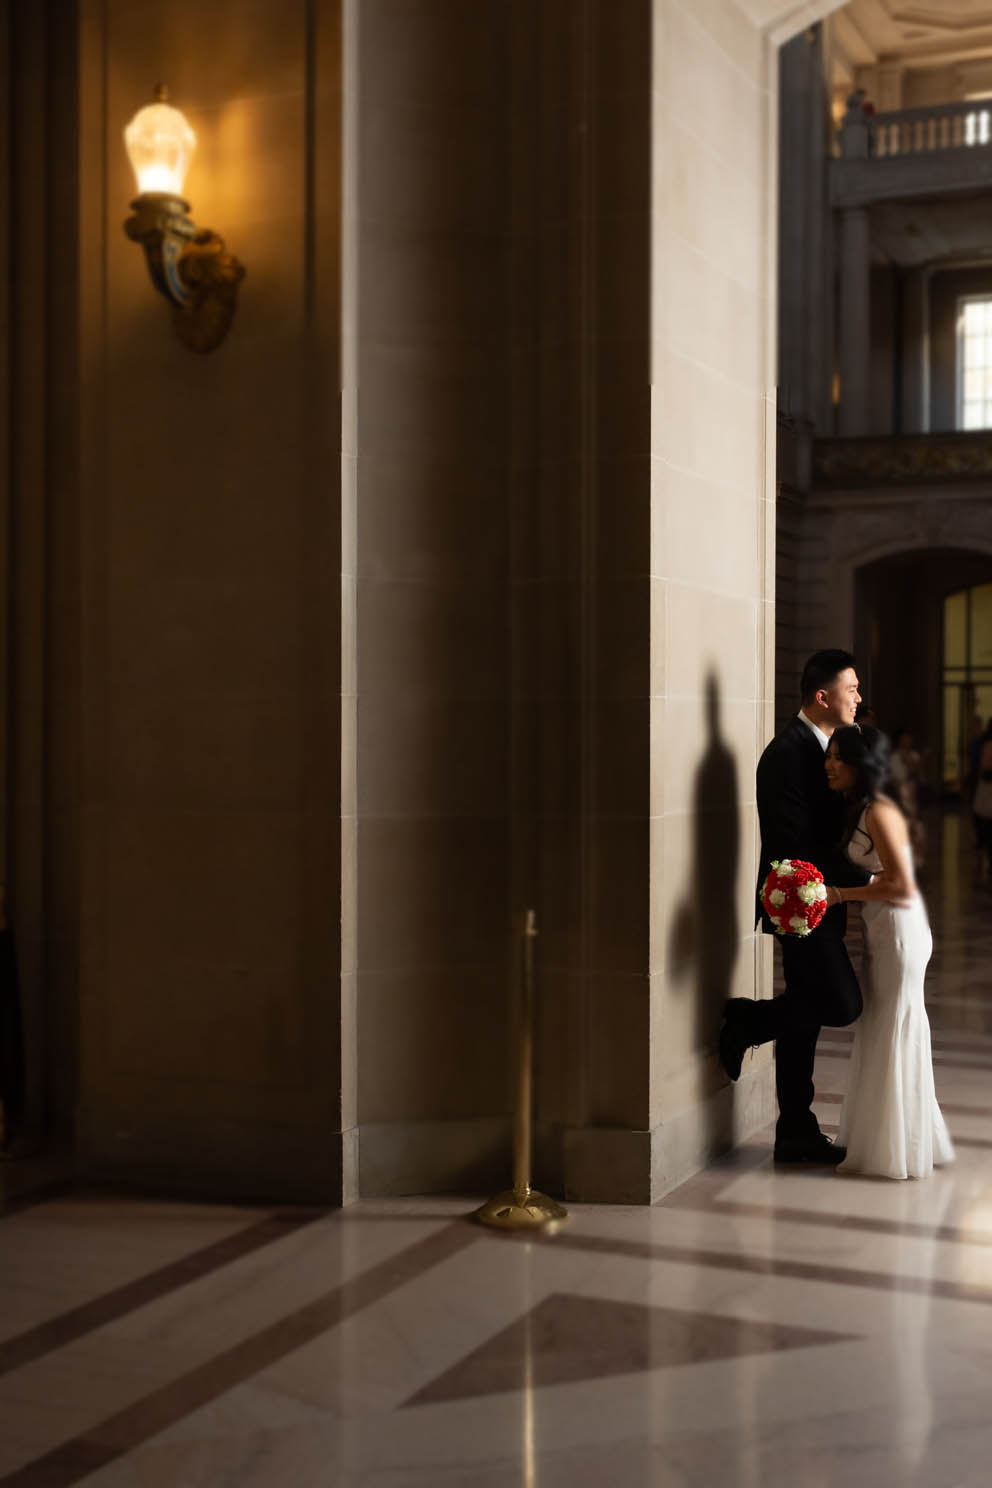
(587, 537)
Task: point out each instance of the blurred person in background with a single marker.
(981, 802)
(906, 778)
(973, 756)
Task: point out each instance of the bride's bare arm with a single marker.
(894, 884)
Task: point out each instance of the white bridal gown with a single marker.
(890, 1122)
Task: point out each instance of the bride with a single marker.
(890, 1121)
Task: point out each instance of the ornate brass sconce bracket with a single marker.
(190, 267)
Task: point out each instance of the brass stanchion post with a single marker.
(522, 1207)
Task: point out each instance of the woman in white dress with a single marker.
(890, 1121)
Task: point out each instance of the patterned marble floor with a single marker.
(759, 1327)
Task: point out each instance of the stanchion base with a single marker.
(530, 1211)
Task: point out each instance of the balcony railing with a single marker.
(919, 131)
(902, 460)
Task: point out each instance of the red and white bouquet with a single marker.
(794, 897)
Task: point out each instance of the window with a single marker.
(975, 362)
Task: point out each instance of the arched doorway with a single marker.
(967, 680)
(919, 636)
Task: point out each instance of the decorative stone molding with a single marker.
(898, 177)
(843, 464)
(870, 500)
(857, 527)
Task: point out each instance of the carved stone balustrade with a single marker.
(944, 126)
(939, 150)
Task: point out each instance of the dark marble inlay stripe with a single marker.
(129, 1428)
(687, 1255)
(743, 1209)
(949, 1108)
(949, 1062)
(973, 999)
(838, 1050)
(983, 1143)
(69, 1326)
(979, 1047)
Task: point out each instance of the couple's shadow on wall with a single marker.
(704, 934)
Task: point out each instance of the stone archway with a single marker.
(898, 604)
(843, 533)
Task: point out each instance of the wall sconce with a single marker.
(190, 266)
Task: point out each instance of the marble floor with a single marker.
(760, 1326)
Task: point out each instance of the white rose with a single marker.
(776, 897)
(785, 868)
(798, 924)
(821, 892)
(808, 892)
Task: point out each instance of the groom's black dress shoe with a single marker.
(734, 1039)
(818, 1149)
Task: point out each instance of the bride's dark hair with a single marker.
(869, 754)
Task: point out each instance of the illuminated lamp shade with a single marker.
(189, 265)
(160, 145)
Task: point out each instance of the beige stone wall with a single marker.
(579, 554)
(642, 514)
(712, 556)
(433, 923)
(210, 518)
(441, 591)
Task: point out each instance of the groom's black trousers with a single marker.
(820, 988)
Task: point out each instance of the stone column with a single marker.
(805, 349)
(887, 92)
(855, 330)
(915, 419)
(799, 188)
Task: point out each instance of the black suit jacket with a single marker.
(800, 816)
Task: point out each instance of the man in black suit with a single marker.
(800, 817)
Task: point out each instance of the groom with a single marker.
(800, 817)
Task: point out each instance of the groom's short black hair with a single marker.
(822, 670)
